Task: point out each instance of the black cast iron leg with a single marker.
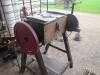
(23, 62)
(72, 8)
(68, 50)
(41, 63)
(46, 48)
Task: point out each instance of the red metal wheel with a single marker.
(26, 37)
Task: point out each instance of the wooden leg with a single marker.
(46, 48)
(68, 50)
(23, 62)
(41, 63)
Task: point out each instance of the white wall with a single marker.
(9, 16)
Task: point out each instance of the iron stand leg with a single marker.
(41, 63)
(72, 8)
(66, 43)
(46, 48)
(23, 62)
(65, 38)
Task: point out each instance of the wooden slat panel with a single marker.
(50, 32)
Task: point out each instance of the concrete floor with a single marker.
(85, 53)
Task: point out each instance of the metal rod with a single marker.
(72, 8)
(57, 48)
(47, 5)
(40, 6)
(41, 63)
(23, 62)
(23, 2)
(31, 7)
(65, 38)
(33, 73)
(46, 48)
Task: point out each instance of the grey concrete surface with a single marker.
(85, 53)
